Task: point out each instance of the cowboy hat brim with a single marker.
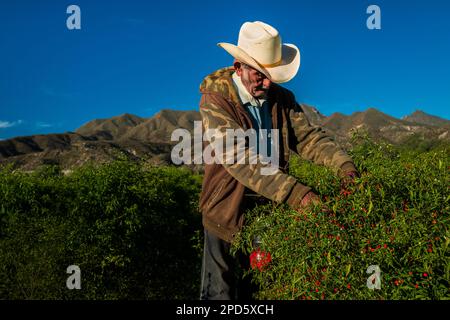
(284, 71)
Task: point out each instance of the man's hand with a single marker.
(348, 179)
(310, 199)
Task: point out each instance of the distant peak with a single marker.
(421, 117)
(337, 114)
(163, 111)
(373, 110)
(419, 113)
(128, 115)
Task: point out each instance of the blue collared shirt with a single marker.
(258, 110)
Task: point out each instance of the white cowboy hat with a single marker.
(259, 46)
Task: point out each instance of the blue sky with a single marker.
(140, 57)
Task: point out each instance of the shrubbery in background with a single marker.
(395, 217)
(133, 231)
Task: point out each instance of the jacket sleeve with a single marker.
(278, 186)
(314, 144)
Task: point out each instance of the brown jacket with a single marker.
(224, 185)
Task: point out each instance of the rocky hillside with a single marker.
(421, 117)
(382, 126)
(148, 139)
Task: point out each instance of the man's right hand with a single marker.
(299, 201)
(310, 199)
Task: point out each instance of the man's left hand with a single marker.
(348, 179)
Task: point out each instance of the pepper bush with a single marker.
(395, 216)
(134, 232)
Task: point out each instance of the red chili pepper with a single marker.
(260, 259)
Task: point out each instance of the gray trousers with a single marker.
(222, 273)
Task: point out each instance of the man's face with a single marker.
(254, 81)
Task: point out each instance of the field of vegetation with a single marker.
(135, 231)
(131, 230)
(395, 218)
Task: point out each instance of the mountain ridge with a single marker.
(148, 139)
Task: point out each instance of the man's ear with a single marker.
(238, 67)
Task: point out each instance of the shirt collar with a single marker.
(245, 96)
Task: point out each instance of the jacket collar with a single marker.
(220, 82)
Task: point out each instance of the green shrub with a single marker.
(130, 229)
(396, 217)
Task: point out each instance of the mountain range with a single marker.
(148, 139)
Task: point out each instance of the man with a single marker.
(246, 96)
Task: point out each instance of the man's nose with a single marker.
(266, 83)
